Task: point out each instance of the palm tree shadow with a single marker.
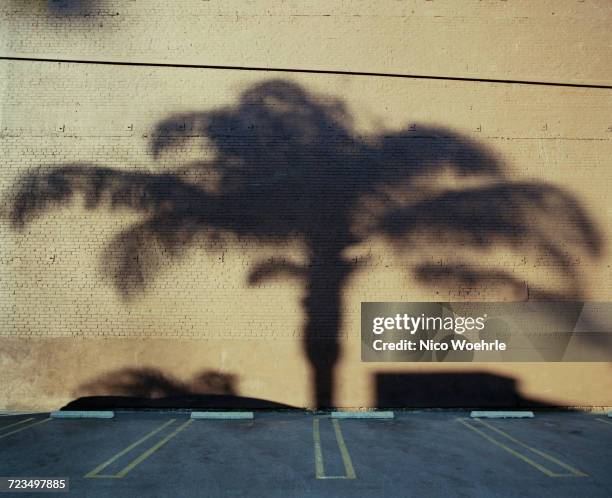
(288, 165)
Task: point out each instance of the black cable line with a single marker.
(309, 71)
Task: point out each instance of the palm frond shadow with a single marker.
(288, 165)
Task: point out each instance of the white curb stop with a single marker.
(364, 414)
(501, 414)
(222, 415)
(82, 414)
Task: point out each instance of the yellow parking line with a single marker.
(508, 449)
(320, 471)
(573, 472)
(604, 421)
(24, 428)
(103, 465)
(151, 450)
(548, 457)
(17, 423)
(346, 458)
(95, 473)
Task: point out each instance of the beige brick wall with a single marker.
(63, 321)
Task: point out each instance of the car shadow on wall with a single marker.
(449, 390)
(285, 164)
(150, 388)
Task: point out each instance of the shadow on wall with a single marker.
(288, 165)
(57, 9)
(151, 388)
(72, 7)
(449, 390)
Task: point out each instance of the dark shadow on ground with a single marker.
(450, 390)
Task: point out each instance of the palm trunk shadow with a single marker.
(325, 280)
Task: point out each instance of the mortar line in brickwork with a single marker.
(311, 71)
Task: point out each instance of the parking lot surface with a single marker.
(298, 454)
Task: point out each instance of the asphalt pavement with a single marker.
(301, 454)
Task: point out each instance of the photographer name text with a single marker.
(407, 324)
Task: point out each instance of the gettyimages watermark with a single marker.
(487, 332)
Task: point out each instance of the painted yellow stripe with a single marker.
(528, 460)
(518, 455)
(24, 428)
(346, 457)
(151, 450)
(574, 471)
(320, 471)
(17, 423)
(105, 464)
(604, 421)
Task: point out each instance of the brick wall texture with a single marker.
(110, 259)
